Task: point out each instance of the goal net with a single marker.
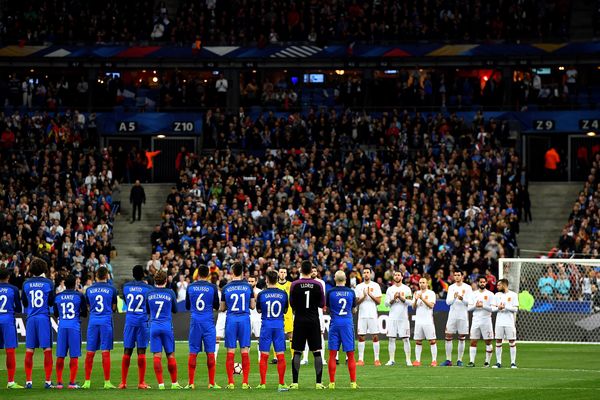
(558, 299)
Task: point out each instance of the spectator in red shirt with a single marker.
(414, 279)
(7, 140)
(491, 280)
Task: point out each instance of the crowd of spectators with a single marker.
(579, 239)
(422, 194)
(580, 235)
(262, 22)
(57, 196)
(570, 281)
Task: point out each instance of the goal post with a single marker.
(555, 298)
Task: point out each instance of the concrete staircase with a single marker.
(132, 241)
(551, 204)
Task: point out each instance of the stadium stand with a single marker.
(422, 193)
(263, 22)
(56, 195)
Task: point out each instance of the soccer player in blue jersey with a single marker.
(69, 307)
(341, 302)
(136, 332)
(272, 303)
(102, 301)
(161, 303)
(10, 303)
(38, 297)
(201, 299)
(237, 298)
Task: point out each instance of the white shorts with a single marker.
(482, 330)
(368, 325)
(505, 332)
(460, 326)
(398, 328)
(322, 323)
(424, 332)
(255, 324)
(220, 327)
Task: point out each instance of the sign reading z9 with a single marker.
(543, 125)
(183, 126)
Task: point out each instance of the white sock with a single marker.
(361, 351)
(216, 351)
(407, 349)
(323, 350)
(449, 350)
(499, 353)
(488, 353)
(472, 354)
(376, 350)
(513, 354)
(258, 351)
(305, 354)
(392, 348)
(418, 350)
(461, 349)
(434, 352)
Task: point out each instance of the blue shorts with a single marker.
(8, 335)
(68, 340)
(237, 330)
(341, 334)
(136, 336)
(202, 335)
(270, 335)
(99, 337)
(162, 338)
(39, 333)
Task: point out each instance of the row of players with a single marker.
(238, 299)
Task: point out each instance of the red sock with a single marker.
(211, 363)
(332, 365)
(158, 370)
(245, 367)
(141, 368)
(351, 366)
(281, 366)
(106, 365)
(229, 367)
(11, 364)
(48, 364)
(192, 358)
(89, 363)
(28, 365)
(73, 366)
(172, 367)
(264, 364)
(125, 368)
(60, 366)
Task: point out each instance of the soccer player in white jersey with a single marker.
(397, 298)
(458, 317)
(315, 275)
(255, 316)
(508, 305)
(368, 297)
(483, 304)
(423, 303)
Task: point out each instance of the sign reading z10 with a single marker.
(543, 125)
(183, 126)
(587, 124)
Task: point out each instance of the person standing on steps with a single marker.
(136, 198)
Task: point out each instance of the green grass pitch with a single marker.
(546, 371)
